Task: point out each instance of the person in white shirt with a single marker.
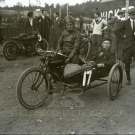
(99, 25)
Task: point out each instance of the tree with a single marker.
(19, 4)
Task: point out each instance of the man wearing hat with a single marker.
(44, 25)
(118, 37)
(121, 15)
(69, 41)
(127, 29)
(30, 23)
(129, 50)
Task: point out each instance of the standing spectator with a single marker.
(127, 29)
(44, 25)
(109, 34)
(129, 50)
(29, 23)
(119, 38)
(56, 30)
(98, 26)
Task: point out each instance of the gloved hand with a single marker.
(100, 65)
(92, 63)
(59, 51)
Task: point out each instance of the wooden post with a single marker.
(29, 3)
(127, 6)
(50, 12)
(67, 10)
(60, 11)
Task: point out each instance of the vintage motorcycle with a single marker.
(37, 83)
(23, 44)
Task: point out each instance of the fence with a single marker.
(12, 29)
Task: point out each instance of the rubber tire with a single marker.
(19, 84)
(111, 97)
(5, 46)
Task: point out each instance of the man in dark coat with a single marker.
(56, 30)
(118, 37)
(126, 32)
(44, 25)
(30, 23)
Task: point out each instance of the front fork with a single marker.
(38, 78)
(45, 68)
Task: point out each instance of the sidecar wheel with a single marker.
(10, 50)
(115, 81)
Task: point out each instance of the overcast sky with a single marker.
(40, 2)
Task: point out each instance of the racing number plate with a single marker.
(86, 78)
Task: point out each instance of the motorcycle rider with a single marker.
(69, 42)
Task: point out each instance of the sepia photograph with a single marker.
(67, 67)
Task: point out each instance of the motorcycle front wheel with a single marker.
(32, 88)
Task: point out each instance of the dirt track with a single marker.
(91, 112)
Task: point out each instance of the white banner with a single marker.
(103, 1)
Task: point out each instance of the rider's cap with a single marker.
(69, 19)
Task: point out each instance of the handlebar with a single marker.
(50, 53)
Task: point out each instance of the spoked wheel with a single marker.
(10, 50)
(32, 88)
(115, 81)
(85, 49)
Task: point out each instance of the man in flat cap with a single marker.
(127, 29)
(121, 15)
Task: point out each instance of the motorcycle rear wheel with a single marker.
(10, 50)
